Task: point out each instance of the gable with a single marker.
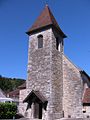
(35, 97)
(69, 69)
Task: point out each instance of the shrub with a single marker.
(7, 110)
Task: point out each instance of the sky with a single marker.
(17, 16)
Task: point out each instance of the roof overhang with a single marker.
(83, 72)
(45, 28)
(36, 97)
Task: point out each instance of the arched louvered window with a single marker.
(40, 41)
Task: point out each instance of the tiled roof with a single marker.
(14, 93)
(45, 19)
(23, 86)
(86, 98)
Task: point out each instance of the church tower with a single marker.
(45, 74)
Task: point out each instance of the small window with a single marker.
(57, 43)
(40, 41)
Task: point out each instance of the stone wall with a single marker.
(22, 106)
(57, 78)
(50, 72)
(72, 90)
(87, 113)
(45, 72)
(39, 66)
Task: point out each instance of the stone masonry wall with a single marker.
(54, 76)
(87, 113)
(22, 106)
(72, 90)
(45, 72)
(39, 66)
(57, 78)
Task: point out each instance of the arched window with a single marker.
(40, 41)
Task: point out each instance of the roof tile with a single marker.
(86, 98)
(46, 18)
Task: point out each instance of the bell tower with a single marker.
(45, 74)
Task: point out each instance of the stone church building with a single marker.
(55, 87)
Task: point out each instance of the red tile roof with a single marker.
(15, 93)
(86, 98)
(23, 86)
(45, 19)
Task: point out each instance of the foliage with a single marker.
(7, 110)
(10, 84)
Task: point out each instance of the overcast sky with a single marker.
(17, 16)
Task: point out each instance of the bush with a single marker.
(7, 110)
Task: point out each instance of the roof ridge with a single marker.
(52, 17)
(49, 13)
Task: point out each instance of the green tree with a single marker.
(9, 84)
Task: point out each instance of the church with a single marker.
(55, 87)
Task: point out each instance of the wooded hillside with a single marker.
(10, 84)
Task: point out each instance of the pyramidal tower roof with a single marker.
(46, 19)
